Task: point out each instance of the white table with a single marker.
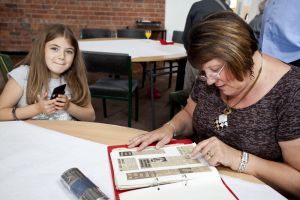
(140, 50)
(33, 158)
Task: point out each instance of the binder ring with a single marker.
(157, 182)
(185, 179)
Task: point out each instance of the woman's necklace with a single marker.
(221, 122)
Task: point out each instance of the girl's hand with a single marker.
(45, 106)
(163, 135)
(216, 152)
(62, 102)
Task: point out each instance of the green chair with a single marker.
(177, 38)
(109, 88)
(6, 65)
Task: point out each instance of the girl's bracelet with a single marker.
(13, 111)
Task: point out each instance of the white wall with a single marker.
(175, 15)
(176, 12)
(253, 10)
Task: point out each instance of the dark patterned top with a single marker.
(256, 129)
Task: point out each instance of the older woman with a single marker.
(244, 108)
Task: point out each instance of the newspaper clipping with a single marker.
(153, 167)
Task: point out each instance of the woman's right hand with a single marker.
(45, 106)
(162, 136)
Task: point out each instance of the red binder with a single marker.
(117, 192)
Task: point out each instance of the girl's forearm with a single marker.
(23, 113)
(82, 113)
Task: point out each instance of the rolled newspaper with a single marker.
(82, 187)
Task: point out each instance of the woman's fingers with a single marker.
(146, 139)
(161, 135)
(145, 144)
(133, 142)
(139, 140)
(163, 142)
(198, 148)
(210, 149)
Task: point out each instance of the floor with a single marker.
(117, 110)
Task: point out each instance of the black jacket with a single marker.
(198, 11)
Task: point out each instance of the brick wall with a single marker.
(21, 20)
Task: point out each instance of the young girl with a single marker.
(54, 59)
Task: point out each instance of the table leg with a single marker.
(152, 96)
(180, 74)
(144, 66)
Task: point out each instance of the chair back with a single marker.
(177, 37)
(86, 33)
(131, 33)
(6, 65)
(113, 63)
(112, 88)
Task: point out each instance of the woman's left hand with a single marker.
(217, 152)
(62, 102)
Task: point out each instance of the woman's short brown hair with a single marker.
(226, 36)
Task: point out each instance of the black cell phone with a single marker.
(58, 90)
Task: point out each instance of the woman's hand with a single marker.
(62, 102)
(163, 135)
(216, 152)
(45, 106)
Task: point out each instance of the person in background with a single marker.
(255, 23)
(198, 10)
(243, 111)
(53, 60)
(280, 30)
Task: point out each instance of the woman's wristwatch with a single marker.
(244, 161)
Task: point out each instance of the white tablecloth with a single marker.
(134, 47)
(32, 160)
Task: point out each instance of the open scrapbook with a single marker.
(163, 173)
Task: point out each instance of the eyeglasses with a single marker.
(212, 75)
